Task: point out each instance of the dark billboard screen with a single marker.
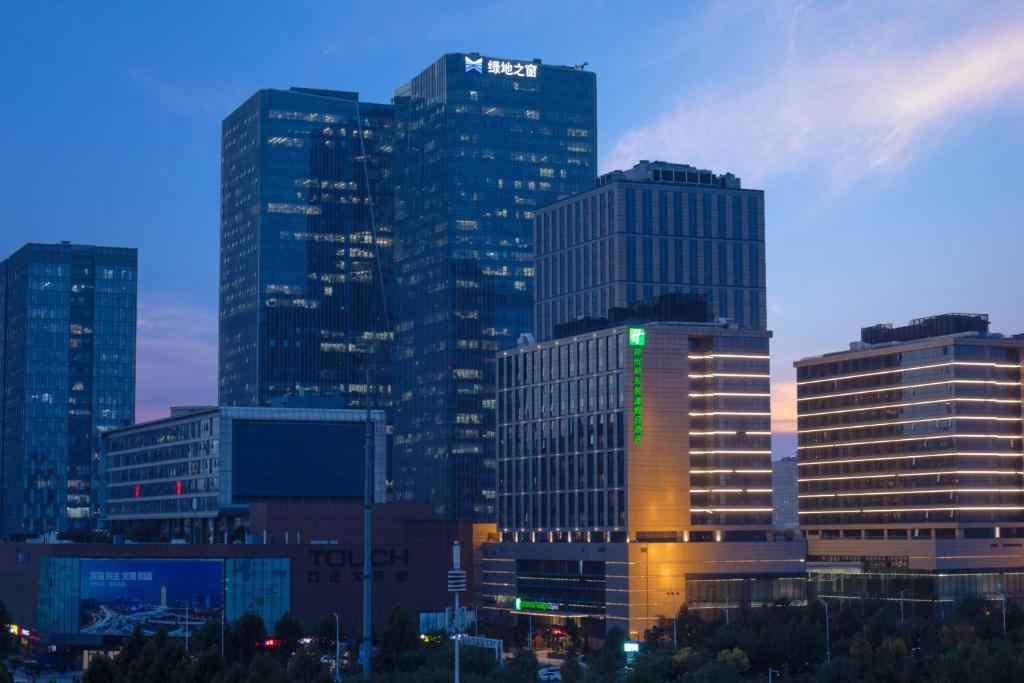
(178, 596)
(282, 459)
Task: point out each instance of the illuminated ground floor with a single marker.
(633, 585)
(924, 576)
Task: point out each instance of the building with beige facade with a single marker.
(634, 473)
(911, 463)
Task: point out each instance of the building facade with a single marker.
(653, 229)
(785, 494)
(310, 567)
(305, 244)
(482, 143)
(67, 374)
(912, 459)
(194, 475)
(634, 475)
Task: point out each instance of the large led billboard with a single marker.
(178, 596)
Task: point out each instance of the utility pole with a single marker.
(902, 618)
(457, 584)
(337, 647)
(367, 644)
(828, 638)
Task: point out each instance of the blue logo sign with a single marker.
(476, 65)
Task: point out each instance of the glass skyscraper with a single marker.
(481, 144)
(304, 180)
(67, 373)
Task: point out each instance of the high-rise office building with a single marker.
(481, 144)
(911, 459)
(306, 211)
(784, 494)
(655, 228)
(635, 475)
(67, 374)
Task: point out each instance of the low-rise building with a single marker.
(193, 475)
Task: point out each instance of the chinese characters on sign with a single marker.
(499, 67)
(637, 341)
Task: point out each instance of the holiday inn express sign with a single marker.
(637, 342)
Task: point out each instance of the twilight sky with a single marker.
(888, 138)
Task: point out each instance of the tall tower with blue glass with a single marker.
(305, 244)
(481, 144)
(67, 373)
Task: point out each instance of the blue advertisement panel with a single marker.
(179, 596)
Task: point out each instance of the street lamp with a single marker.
(828, 638)
(675, 617)
(902, 619)
(337, 647)
(773, 671)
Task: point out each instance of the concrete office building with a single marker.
(785, 494)
(655, 228)
(634, 467)
(67, 374)
(481, 143)
(912, 462)
(194, 475)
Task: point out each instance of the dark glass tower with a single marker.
(304, 179)
(481, 144)
(67, 373)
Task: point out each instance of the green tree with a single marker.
(5, 675)
(323, 630)
(305, 667)
(736, 659)
(130, 650)
(400, 635)
(288, 630)
(6, 642)
(861, 652)
(523, 667)
(248, 633)
(208, 666)
(206, 637)
(572, 671)
(263, 669)
(103, 670)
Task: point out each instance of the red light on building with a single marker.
(137, 491)
(177, 487)
(271, 642)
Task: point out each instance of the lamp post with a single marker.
(828, 638)
(902, 618)
(773, 671)
(337, 647)
(675, 617)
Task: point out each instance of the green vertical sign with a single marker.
(637, 342)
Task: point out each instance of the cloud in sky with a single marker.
(176, 357)
(783, 406)
(852, 93)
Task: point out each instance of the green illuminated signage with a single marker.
(637, 341)
(536, 605)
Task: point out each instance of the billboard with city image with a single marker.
(179, 596)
